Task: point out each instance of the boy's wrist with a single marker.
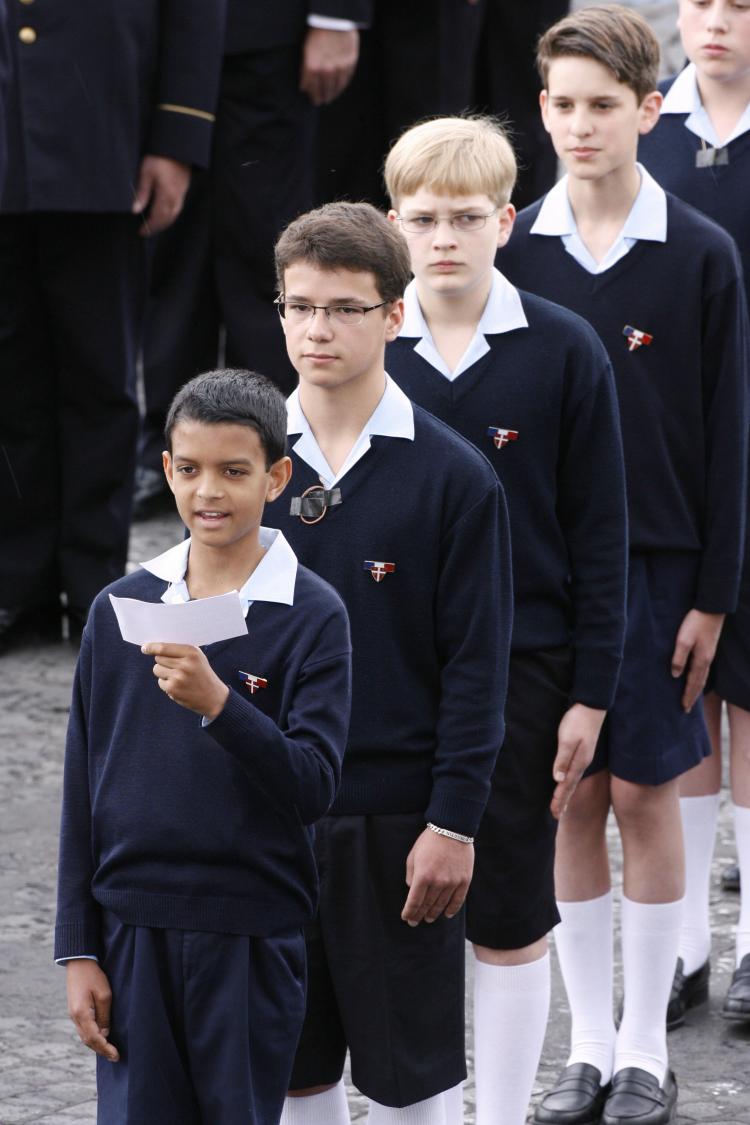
(218, 704)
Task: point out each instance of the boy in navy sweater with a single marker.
(192, 780)
(408, 522)
(609, 244)
(700, 150)
(531, 386)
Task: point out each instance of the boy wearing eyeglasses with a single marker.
(408, 522)
(531, 386)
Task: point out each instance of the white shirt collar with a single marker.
(647, 220)
(683, 96)
(393, 417)
(272, 580)
(503, 312)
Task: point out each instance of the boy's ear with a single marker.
(543, 104)
(507, 217)
(393, 215)
(394, 320)
(649, 111)
(166, 460)
(279, 476)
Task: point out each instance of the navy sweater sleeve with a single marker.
(725, 354)
(592, 511)
(474, 596)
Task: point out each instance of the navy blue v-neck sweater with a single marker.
(682, 393)
(721, 191)
(430, 639)
(171, 824)
(550, 386)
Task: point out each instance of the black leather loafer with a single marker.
(687, 992)
(577, 1098)
(730, 878)
(737, 1001)
(636, 1098)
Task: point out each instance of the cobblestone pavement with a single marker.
(47, 1077)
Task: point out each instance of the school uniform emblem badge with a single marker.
(501, 437)
(378, 570)
(636, 337)
(253, 683)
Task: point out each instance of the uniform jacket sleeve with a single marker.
(187, 85)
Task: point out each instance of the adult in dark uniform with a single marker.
(417, 59)
(508, 85)
(110, 104)
(215, 265)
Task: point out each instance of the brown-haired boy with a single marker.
(608, 243)
(407, 521)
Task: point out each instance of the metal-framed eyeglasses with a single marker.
(298, 312)
(466, 223)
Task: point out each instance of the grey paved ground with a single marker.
(48, 1078)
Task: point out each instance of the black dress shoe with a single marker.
(152, 493)
(687, 992)
(636, 1098)
(737, 1001)
(730, 878)
(577, 1098)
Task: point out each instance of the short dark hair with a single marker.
(610, 34)
(347, 236)
(240, 397)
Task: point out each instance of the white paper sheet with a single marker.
(199, 622)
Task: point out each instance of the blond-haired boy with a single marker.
(530, 385)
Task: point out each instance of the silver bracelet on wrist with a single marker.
(451, 835)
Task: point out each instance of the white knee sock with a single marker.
(429, 1112)
(650, 933)
(699, 816)
(584, 948)
(511, 1005)
(329, 1108)
(454, 1105)
(742, 836)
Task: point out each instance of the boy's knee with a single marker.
(310, 1091)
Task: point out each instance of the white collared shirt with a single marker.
(647, 220)
(392, 417)
(683, 96)
(272, 580)
(502, 313)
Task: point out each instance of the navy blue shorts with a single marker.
(511, 901)
(206, 1026)
(647, 738)
(392, 994)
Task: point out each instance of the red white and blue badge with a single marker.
(501, 437)
(378, 570)
(253, 683)
(636, 337)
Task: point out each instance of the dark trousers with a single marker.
(417, 59)
(215, 265)
(70, 309)
(508, 85)
(205, 1024)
